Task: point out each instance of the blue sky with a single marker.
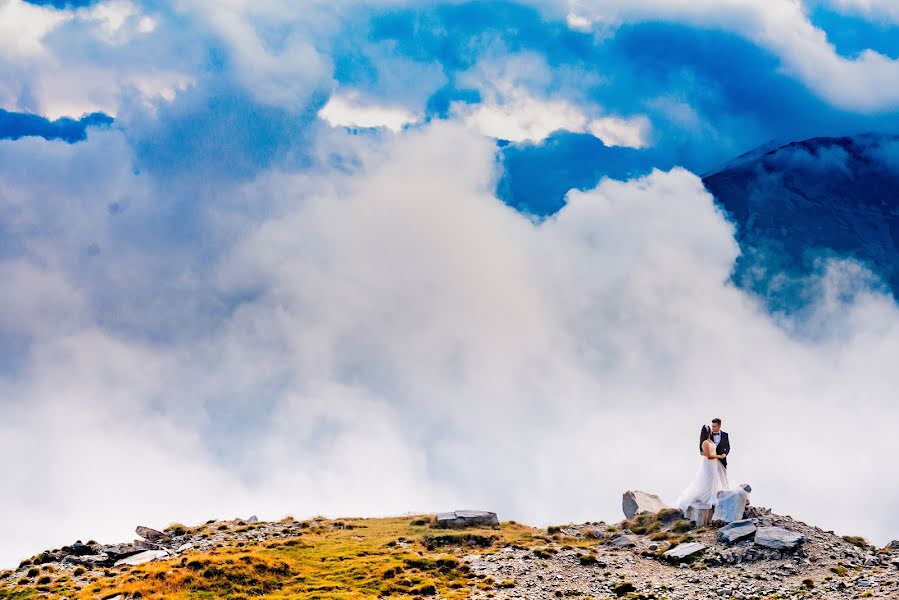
(284, 254)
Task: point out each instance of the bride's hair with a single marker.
(706, 434)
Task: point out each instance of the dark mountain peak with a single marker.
(820, 197)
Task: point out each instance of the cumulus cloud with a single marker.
(393, 338)
(781, 27)
(347, 111)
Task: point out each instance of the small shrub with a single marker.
(856, 540)
(808, 583)
(623, 587)
(587, 559)
(176, 529)
(681, 526)
(839, 570)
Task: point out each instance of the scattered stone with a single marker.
(731, 505)
(142, 557)
(778, 538)
(625, 541)
(736, 531)
(253, 519)
(636, 502)
(152, 535)
(894, 545)
(699, 514)
(466, 518)
(682, 551)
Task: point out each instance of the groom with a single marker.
(719, 438)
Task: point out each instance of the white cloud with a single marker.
(868, 82)
(346, 110)
(578, 22)
(519, 117)
(397, 339)
(614, 131)
(23, 27)
(50, 59)
(880, 10)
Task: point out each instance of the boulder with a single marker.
(142, 557)
(682, 551)
(700, 514)
(894, 545)
(152, 535)
(253, 519)
(624, 541)
(737, 530)
(731, 506)
(778, 538)
(636, 502)
(745, 487)
(466, 518)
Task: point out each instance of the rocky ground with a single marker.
(823, 566)
(591, 560)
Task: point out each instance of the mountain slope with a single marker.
(822, 197)
(408, 557)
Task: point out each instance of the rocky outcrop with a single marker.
(467, 518)
(636, 502)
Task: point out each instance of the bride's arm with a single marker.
(707, 451)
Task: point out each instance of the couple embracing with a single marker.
(711, 479)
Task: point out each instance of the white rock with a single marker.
(731, 505)
(142, 557)
(682, 551)
(636, 502)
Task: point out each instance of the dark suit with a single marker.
(723, 446)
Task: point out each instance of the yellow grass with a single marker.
(330, 559)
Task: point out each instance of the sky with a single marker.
(359, 259)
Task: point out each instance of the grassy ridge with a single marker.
(343, 559)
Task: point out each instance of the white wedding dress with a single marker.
(711, 479)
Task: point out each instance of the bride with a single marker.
(711, 478)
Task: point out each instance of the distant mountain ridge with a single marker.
(821, 197)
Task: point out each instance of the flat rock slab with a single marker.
(778, 538)
(636, 502)
(682, 551)
(737, 530)
(466, 518)
(143, 557)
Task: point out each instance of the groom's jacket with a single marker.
(723, 447)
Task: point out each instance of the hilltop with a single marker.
(415, 557)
